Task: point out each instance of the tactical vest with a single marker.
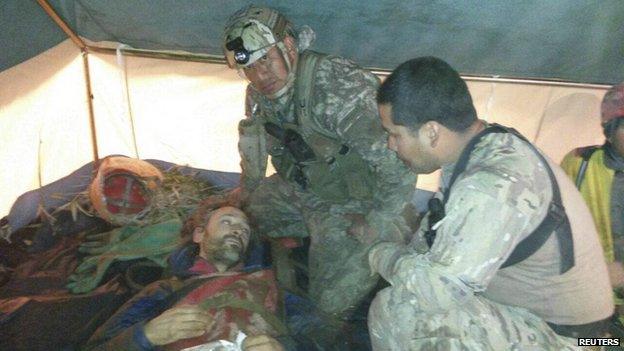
(556, 219)
(304, 153)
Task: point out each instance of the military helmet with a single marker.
(612, 104)
(251, 32)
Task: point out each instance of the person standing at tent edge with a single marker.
(598, 172)
(507, 258)
(336, 182)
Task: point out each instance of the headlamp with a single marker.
(241, 55)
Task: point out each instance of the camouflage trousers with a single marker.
(338, 272)
(480, 324)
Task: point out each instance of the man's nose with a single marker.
(262, 71)
(236, 230)
(258, 66)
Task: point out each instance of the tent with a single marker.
(159, 88)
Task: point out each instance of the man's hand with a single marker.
(237, 197)
(178, 323)
(261, 343)
(359, 229)
(375, 257)
(383, 256)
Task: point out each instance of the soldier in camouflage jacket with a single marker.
(336, 182)
(508, 259)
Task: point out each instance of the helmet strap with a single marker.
(292, 68)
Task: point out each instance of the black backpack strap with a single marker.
(462, 162)
(586, 154)
(555, 220)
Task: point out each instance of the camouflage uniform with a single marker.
(342, 111)
(454, 296)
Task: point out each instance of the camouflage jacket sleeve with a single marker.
(492, 207)
(251, 146)
(345, 106)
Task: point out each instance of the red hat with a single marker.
(613, 104)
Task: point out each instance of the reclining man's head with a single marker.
(222, 234)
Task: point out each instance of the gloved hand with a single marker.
(154, 242)
(237, 197)
(98, 243)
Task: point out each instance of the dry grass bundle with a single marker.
(177, 197)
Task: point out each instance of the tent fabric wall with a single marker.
(43, 121)
(184, 112)
(556, 118)
(187, 113)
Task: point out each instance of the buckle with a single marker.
(556, 212)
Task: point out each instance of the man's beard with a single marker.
(228, 256)
(222, 252)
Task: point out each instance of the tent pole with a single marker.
(216, 59)
(94, 144)
(163, 55)
(85, 60)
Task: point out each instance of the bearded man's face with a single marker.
(225, 237)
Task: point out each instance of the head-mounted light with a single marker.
(241, 55)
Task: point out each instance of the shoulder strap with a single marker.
(304, 89)
(306, 68)
(586, 154)
(462, 162)
(555, 220)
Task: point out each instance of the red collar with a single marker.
(202, 266)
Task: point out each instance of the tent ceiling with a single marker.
(580, 41)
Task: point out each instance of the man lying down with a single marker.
(210, 298)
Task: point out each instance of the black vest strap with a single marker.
(586, 155)
(555, 220)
